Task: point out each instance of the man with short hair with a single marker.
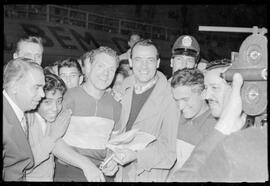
(69, 70)
(23, 89)
(91, 99)
(29, 47)
(148, 106)
(196, 121)
(82, 60)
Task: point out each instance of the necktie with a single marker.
(26, 127)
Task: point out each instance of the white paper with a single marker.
(89, 132)
(134, 140)
(183, 151)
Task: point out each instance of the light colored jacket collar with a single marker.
(153, 101)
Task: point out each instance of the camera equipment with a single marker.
(251, 62)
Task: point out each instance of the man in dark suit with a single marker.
(22, 90)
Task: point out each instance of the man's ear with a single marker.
(158, 62)
(13, 87)
(171, 65)
(130, 62)
(129, 44)
(81, 79)
(15, 55)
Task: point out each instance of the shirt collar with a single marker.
(202, 117)
(142, 88)
(19, 113)
(41, 121)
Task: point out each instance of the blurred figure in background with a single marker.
(132, 40)
(120, 75)
(29, 47)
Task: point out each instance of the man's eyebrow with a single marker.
(213, 84)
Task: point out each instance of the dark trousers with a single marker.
(69, 173)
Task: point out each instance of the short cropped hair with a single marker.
(17, 68)
(188, 77)
(144, 42)
(83, 58)
(70, 62)
(54, 83)
(103, 49)
(219, 63)
(30, 39)
(134, 34)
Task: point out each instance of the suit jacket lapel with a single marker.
(13, 120)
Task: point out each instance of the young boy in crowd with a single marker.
(69, 70)
(196, 121)
(47, 125)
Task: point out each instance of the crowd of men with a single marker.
(195, 116)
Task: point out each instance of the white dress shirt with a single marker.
(41, 122)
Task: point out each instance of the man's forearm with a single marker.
(66, 153)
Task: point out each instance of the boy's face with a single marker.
(71, 76)
(189, 100)
(51, 105)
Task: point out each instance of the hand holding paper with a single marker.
(125, 145)
(134, 140)
(124, 156)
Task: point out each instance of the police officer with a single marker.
(185, 53)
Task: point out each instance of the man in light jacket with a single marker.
(147, 105)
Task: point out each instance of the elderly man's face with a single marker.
(30, 50)
(144, 62)
(29, 89)
(216, 91)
